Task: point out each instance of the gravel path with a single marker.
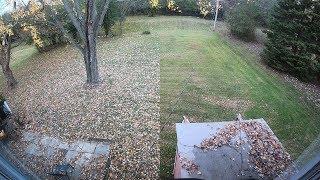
(52, 99)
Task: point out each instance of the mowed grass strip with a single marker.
(208, 79)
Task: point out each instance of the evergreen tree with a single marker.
(294, 39)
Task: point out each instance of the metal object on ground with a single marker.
(62, 171)
(9, 171)
(5, 110)
(3, 135)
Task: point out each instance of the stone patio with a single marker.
(41, 154)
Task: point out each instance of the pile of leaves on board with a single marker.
(190, 166)
(266, 153)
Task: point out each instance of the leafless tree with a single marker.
(87, 22)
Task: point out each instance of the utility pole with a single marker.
(216, 15)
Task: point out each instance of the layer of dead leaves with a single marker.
(190, 166)
(52, 99)
(266, 152)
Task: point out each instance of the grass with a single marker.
(20, 56)
(206, 78)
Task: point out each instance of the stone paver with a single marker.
(50, 151)
(45, 141)
(84, 159)
(64, 145)
(32, 149)
(87, 147)
(73, 146)
(102, 149)
(47, 150)
(71, 155)
(29, 136)
(54, 142)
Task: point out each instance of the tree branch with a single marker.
(99, 18)
(77, 5)
(63, 30)
(95, 11)
(78, 24)
(68, 36)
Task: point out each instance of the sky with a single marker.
(1, 4)
(4, 7)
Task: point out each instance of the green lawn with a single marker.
(20, 56)
(207, 79)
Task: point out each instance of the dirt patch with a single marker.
(239, 105)
(254, 47)
(194, 46)
(174, 56)
(199, 81)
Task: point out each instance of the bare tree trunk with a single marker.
(5, 57)
(91, 63)
(87, 24)
(90, 47)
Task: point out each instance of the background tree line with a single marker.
(292, 28)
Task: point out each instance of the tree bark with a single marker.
(87, 25)
(90, 46)
(5, 57)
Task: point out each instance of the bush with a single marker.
(138, 7)
(205, 7)
(71, 29)
(242, 20)
(293, 39)
(116, 29)
(51, 36)
(172, 7)
(50, 41)
(154, 7)
(188, 7)
(264, 8)
(111, 17)
(146, 32)
(1, 98)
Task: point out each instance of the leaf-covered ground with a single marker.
(52, 99)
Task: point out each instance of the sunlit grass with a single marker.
(19, 57)
(21, 54)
